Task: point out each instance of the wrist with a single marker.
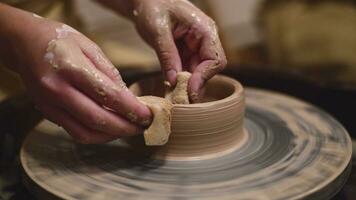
(16, 26)
(13, 22)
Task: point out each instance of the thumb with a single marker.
(168, 55)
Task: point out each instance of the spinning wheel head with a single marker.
(288, 150)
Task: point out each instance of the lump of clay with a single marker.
(179, 95)
(160, 129)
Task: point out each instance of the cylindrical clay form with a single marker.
(202, 130)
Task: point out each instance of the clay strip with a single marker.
(160, 129)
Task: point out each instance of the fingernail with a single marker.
(145, 118)
(171, 76)
(196, 87)
(194, 97)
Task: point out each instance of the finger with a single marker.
(102, 90)
(197, 81)
(214, 60)
(168, 55)
(89, 113)
(193, 39)
(184, 53)
(194, 62)
(189, 50)
(79, 132)
(100, 61)
(180, 31)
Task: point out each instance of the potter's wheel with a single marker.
(293, 151)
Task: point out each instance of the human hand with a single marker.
(75, 85)
(184, 39)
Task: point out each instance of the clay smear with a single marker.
(62, 52)
(64, 31)
(160, 129)
(179, 95)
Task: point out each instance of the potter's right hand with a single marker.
(74, 84)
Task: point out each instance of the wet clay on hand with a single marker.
(179, 95)
(160, 129)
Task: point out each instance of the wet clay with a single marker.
(202, 130)
(179, 95)
(64, 31)
(160, 129)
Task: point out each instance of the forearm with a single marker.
(14, 23)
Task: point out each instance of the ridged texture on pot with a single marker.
(205, 129)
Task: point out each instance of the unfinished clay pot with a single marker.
(202, 130)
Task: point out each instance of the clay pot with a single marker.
(202, 130)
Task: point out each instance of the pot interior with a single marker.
(215, 88)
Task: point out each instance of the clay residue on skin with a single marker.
(160, 129)
(49, 57)
(210, 69)
(62, 53)
(194, 96)
(145, 122)
(101, 92)
(132, 116)
(64, 31)
(57, 45)
(135, 13)
(36, 16)
(179, 95)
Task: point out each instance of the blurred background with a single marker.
(305, 48)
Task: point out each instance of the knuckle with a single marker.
(144, 117)
(50, 85)
(95, 121)
(84, 139)
(95, 47)
(46, 83)
(165, 58)
(209, 28)
(222, 62)
(211, 22)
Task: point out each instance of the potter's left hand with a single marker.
(183, 37)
